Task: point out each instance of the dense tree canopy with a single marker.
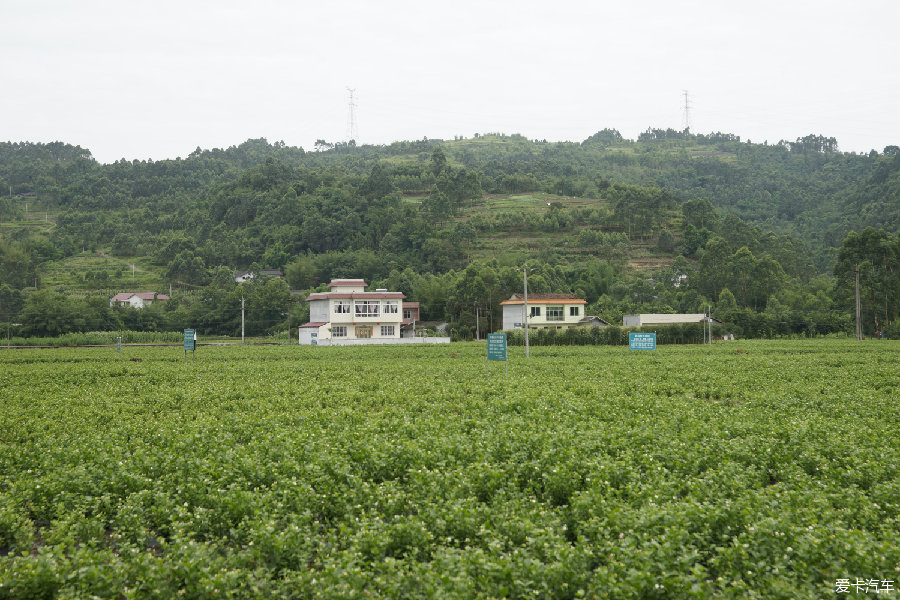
(753, 229)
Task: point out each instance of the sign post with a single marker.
(496, 350)
(641, 341)
(190, 342)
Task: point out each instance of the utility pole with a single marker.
(525, 287)
(491, 313)
(242, 319)
(477, 328)
(859, 333)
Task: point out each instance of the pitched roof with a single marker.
(125, 296)
(356, 296)
(314, 324)
(345, 282)
(151, 296)
(544, 299)
(668, 318)
(591, 318)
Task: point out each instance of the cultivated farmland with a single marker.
(749, 469)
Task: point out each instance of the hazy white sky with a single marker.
(157, 79)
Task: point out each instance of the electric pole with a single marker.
(477, 329)
(687, 112)
(242, 319)
(859, 333)
(525, 288)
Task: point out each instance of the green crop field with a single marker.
(741, 470)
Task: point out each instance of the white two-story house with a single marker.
(556, 311)
(349, 312)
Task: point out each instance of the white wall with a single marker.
(319, 311)
(376, 341)
(512, 314)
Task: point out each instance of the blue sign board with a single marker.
(641, 341)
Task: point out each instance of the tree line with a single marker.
(733, 216)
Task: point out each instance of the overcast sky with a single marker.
(158, 79)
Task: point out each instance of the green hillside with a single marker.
(667, 222)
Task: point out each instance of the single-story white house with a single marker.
(348, 314)
(136, 299)
(243, 276)
(558, 311)
(643, 320)
(593, 321)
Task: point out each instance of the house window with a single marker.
(554, 313)
(573, 311)
(387, 331)
(367, 308)
(407, 314)
(391, 307)
(339, 331)
(535, 311)
(342, 307)
(363, 331)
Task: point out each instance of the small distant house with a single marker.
(547, 311)
(136, 299)
(244, 276)
(593, 321)
(644, 320)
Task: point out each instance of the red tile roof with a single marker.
(356, 295)
(124, 296)
(335, 282)
(545, 299)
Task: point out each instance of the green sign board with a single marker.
(190, 340)
(496, 346)
(641, 341)
(496, 350)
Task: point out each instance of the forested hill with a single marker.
(625, 212)
(806, 187)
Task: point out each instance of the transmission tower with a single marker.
(687, 111)
(352, 133)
